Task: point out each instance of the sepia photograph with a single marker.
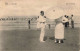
(39, 25)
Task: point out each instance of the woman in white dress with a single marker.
(42, 21)
(59, 29)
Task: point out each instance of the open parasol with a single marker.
(54, 13)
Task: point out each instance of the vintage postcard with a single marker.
(39, 25)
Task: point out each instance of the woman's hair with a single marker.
(42, 12)
(66, 16)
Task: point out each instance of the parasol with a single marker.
(54, 13)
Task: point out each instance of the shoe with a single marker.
(62, 41)
(56, 41)
(45, 38)
(59, 41)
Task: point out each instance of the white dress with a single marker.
(42, 26)
(59, 31)
(39, 20)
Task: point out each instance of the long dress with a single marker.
(42, 32)
(42, 25)
(59, 31)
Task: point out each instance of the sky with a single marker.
(33, 7)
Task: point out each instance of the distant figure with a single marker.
(67, 23)
(49, 26)
(42, 21)
(72, 21)
(59, 29)
(29, 22)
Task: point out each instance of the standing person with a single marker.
(42, 20)
(49, 26)
(72, 21)
(67, 23)
(29, 22)
(59, 29)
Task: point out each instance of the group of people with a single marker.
(59, 28)
(72, 21)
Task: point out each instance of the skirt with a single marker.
(59, 31)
